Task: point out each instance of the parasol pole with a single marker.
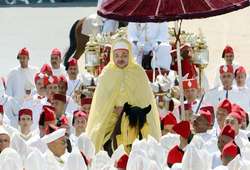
(178, 31)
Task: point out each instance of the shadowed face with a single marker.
(233, 122)
(80, 122)
(4, 142)
(240, 79)
(55, 61)
(191, 94)
(221, 115)
(25, 122)
(23, 60)
(227, 79)
(73, 72)
(200, 124)
(229, 57)
(121, 58)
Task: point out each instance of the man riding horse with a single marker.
(122, 81)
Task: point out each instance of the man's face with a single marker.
(240, 79)
(59, 107)
(80, 122)
(167, 129)
(73, 72)
(221, 115)
(86, 108)
(40, 86)
(200, 124)
(60, 145)
(222, 141)
(227, 79)
(55, 61)
(229, 57)
(25, 122)
(23, 60)
(121, 58)
(233, 122)
(52, 89)
(4, 142)
(62, 88)
(191, 94)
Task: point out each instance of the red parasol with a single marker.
(167, 10)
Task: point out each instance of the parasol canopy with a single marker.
(167, 10)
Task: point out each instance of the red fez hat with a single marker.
(209, 108)
(56, 52)
(183, 129)
(1, 108)
(25, 111)
(72, 62)
(39, 76)
(230, 149)
(236, 108)
(122, 162)
(227, 49)
(79, 113)
(225, 104)
(49, 107)
(53, 80)
(49, 114)
(23, 52)
(60, 97)
(46, 69)
(236, 116)
(169, 119)
(239, 70)
(190, 83)
(175, 155)
(226, 69)
(228, 130)
(207, 115)
(86, 100)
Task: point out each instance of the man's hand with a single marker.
(118, 110)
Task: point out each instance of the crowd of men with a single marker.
(42, 122)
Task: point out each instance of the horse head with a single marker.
(136, 115)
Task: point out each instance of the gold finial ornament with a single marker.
(92, 55)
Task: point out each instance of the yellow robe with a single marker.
(115, 87)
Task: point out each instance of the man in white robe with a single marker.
(228, 56)
(146, 37)
(21, 76)
(9, 107)
(242, 89)
(38, 99)
(72, 77)
(225, 91)
(56, 142)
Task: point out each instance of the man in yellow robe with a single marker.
(121, 81)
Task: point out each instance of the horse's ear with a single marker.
(146, 110)
(126, 107)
